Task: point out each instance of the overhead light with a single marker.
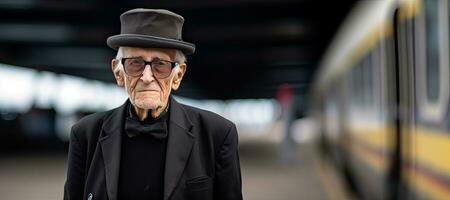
(23, 32)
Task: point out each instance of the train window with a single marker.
(353, 92)
(376, 81)
(359, 93)
(349, 80)
(355, 86)
(432, 50)
(364, 83)
(351, 86)
(432, 60)
(369, 80)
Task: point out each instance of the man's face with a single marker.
(146, 91)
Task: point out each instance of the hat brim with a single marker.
(135, 40)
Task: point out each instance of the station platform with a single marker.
(265, 176)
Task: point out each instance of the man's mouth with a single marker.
(148, 90)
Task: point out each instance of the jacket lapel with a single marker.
(179, 145)
(110, 141)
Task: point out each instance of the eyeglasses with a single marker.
(160, 68)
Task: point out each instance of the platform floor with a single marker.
(265, 175)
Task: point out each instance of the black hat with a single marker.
(154, 28)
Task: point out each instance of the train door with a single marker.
(423, 42)
(370, 124)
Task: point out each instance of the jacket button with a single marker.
(90, 196)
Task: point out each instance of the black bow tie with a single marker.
(157, 129)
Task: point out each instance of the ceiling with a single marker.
(244, 48)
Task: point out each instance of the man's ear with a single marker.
(176, 82)
(117, 73)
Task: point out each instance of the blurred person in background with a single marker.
(152, 147)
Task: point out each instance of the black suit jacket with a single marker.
(202, 159)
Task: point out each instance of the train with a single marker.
(381, 100)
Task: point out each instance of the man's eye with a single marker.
(158, 62)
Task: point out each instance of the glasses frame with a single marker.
(172, 65)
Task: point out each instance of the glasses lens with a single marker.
(161, 68)
(134, 66)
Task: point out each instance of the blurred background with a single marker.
(332, 99)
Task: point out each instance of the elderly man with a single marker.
(152, 147)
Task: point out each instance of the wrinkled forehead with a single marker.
(148, 53)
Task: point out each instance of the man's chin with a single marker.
(147, 104)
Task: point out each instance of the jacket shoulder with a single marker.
(211, 126)
(208, 116)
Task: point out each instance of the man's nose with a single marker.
(147, 75)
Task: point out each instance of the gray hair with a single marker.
(179, 57)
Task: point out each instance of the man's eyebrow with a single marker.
(161, 58)
(143, 57)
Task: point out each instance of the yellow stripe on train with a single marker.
(426, 147)
(372, 146)
(432, 147)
